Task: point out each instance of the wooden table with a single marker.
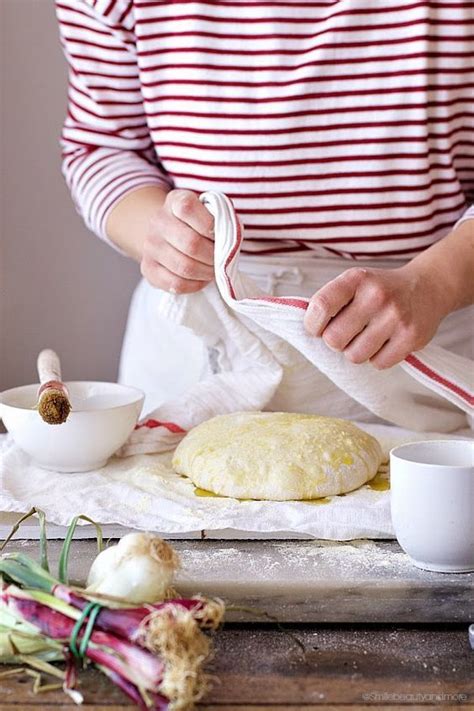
(359, 629)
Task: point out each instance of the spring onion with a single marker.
(154, 652)
(140, 568)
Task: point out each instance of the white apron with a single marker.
(165, 359)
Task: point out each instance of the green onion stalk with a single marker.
(153, 652)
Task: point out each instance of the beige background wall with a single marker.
(59, 286)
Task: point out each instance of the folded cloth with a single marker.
(267, 361)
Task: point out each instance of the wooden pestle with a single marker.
(53, 398)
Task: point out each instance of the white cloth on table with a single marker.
(143, 492)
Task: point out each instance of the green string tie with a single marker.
(92, 609)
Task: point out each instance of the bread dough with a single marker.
(277, 455)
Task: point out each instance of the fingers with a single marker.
(180, 263)
(177, 247)
(189, 242)
(330, 299)
(367, 343)
(369, 315)
(162, 278)
(392, 353)
(178, 253)
(186, 206)
(346, 325)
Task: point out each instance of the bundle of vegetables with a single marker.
(153, 650)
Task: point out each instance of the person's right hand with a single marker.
(178, 251)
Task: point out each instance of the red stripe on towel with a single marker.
(171, 426)
(287, 301)
(416, 363)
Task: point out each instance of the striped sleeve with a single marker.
(106, 146)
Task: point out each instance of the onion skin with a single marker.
(103, 565)
(123, 658)
(160, 702)
(127, 622)
(139, 569)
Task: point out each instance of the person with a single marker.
(342, 132)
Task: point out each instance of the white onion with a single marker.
(140, 568)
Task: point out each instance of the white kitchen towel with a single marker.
(267, 361)
(143, 492)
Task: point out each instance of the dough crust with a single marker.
(277, 456)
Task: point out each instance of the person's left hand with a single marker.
(376, 315)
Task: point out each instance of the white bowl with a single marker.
(103, 416)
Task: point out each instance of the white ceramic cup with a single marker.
(432, 501)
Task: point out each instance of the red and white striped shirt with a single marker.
(341, 126)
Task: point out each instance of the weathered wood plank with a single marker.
(233, 707)
(307, 581)
(328, 666)
(314, 707)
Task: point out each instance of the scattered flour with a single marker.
(299, 562)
